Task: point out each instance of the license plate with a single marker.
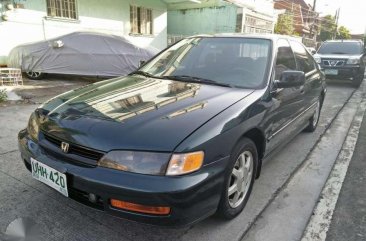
(49, 176)
(331, 71)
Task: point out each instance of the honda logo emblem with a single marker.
(65, 147)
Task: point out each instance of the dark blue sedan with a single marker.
(184, 136)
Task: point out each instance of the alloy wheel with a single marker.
(316, 114)
(240, 179)
(34, 74)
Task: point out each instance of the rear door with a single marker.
(310, 92)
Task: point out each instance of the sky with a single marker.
(352, 14)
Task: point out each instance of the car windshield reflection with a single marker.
(236, 62)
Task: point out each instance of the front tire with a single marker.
(239, 179)
(35, 75)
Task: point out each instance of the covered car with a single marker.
(79, 53)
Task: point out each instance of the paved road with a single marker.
(63, 219)
(349, 218)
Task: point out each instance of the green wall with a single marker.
(209, 20)
(106, 9)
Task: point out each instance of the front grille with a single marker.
(77, 150)
(334, 62)
(53, 140)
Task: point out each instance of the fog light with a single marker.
(139, 208)
(92, 197)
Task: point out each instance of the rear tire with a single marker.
(239, 179)
(314, 120)
(34, 75)
(357, 80)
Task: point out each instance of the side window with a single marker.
(285, 58)
(304, 60)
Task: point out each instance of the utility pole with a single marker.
(313, 14)
(337, 19)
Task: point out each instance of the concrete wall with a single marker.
(217, 16)
(108, 16)
(208, 20)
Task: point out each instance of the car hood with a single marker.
(336, 56)
(135, 112)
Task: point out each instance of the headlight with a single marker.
(153, 163)
(33, 127)
(318, 60)
(185, 163)
(353, 61)
(137, 162)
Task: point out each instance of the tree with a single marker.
(343, 33)
(284, 25)
(328, 27)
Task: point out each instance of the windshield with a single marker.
(341, 48)
(239, 62)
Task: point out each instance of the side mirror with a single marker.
(291, 79)
(142, 62)
(313, 52)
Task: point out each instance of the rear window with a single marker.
(351, 48)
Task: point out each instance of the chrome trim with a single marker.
(290, 122)
(333, 62)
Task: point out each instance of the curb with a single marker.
(321, 219)
(292, 208)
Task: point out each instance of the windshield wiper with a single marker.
(338, 53)
(187, 78)
(143, 73)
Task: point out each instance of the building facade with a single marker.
(219, 16)
(306, 21)
(143, 22)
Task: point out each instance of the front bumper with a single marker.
(345, 71)
(191, 197)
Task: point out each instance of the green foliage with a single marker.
(284, 25)
(3, 95)
(328, 27)
(343, 33)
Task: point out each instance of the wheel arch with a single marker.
(257, 136)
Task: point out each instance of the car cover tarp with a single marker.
(82, 53)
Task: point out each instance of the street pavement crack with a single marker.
(7, 152)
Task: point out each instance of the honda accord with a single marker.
(184, 136)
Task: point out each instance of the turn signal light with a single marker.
(139, 208)
(185, 163)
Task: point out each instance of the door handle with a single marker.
(302, 90)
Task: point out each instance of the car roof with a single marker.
(243, 35)
(344, 41)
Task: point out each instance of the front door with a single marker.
(284, 102)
